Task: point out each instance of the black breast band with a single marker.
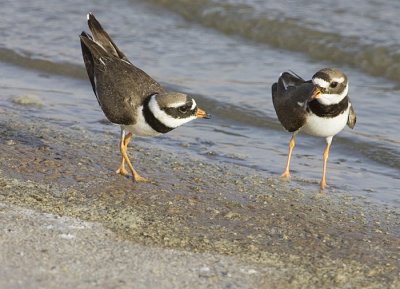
(151, 120)
(328, 110)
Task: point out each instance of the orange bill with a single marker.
(316, 93)
(201, 113)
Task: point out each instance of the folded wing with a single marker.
(289, 96)
(120, 87)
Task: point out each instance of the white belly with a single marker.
(140, 130)
(325, 127)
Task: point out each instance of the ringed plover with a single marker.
(319, 107)
(128, 96)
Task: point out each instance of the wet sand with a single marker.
(218, 225)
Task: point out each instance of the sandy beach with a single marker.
(215, 213)
(68, 221)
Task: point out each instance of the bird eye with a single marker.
(183, 108)
(334, 84)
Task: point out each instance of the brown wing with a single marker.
(120, 87)
(289, 95)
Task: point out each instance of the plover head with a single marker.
(331, 86)
(174, 109)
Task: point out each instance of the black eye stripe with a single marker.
(184, 108)
(187, 106)
(182, 111)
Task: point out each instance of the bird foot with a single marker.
(322, 186)
(138, 178)
(122, 171)
(285, 176)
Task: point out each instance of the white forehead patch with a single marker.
(320, 82)
(193, 104)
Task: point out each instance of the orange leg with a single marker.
(326, 154)
(286, 174)
(123, 148)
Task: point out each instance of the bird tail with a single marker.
(91, 50)
(289, 79)
(101, 37)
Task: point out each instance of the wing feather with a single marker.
(289, 95)
(351, 121)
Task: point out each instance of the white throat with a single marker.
(329, 99)
(165, 118)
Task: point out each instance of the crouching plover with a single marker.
(128, 96)
(319, 107)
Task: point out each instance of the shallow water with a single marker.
(210, 50)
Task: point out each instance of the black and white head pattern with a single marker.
(166, 111)
(332, 84)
